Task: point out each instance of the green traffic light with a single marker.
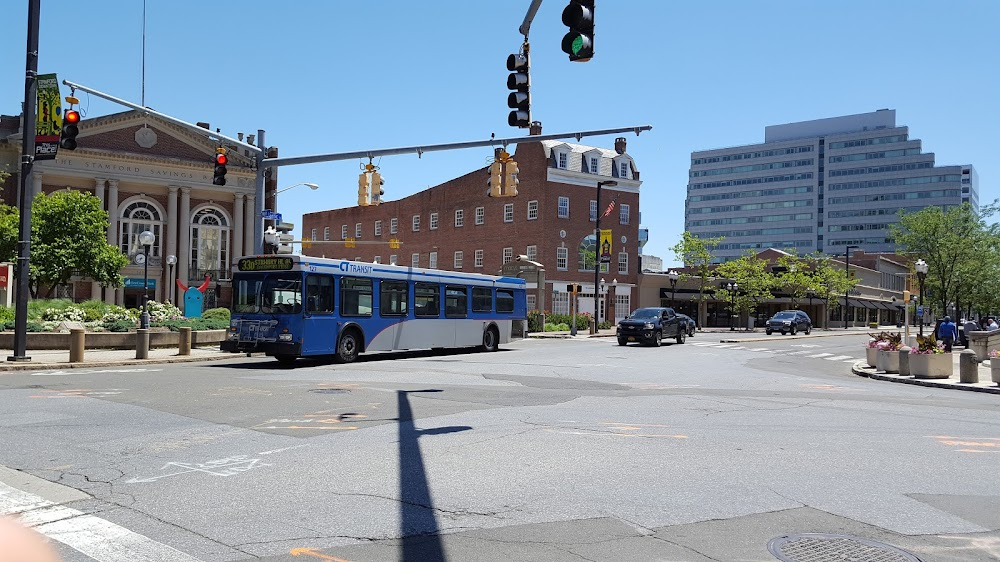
(577, 45)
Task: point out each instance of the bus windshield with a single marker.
(276, 293)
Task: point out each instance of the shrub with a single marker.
(928, 345)
(35, 326)
(196, 324)
(68, 314)
(6, 315)
(116, 313)
(163, 311)
(217, 314)
(94, 310)
(119, 325)
(36, 308)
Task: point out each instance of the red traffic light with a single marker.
(72, 116)
(221, 159)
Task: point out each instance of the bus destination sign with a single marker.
(265, 264)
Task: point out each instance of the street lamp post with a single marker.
(732, 287)
(310, 185)
(673, 276)
(597, 312)
(597, 248)
(921, 267)
(847, 273)
(171, 260)
(146, 238)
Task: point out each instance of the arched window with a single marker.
(588, 254)
(137, 216)
(209, 244)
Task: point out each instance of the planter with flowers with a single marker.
(887, 352)
(871, 352)
(929, 361)
(995, 366)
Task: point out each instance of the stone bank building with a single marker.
(456, 226)
(151, 175)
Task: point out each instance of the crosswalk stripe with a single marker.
(798, 352)
(852, 360)
(837, 357)
(820, 355)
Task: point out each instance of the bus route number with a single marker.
(265, 264)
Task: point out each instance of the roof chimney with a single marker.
(535, 128)
(620, 145)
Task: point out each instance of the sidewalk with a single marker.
(59, 358)
(985, 383)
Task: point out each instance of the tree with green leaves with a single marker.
(696, 253)
(8, 232)
(830, 280)
(69, 238)
(754, 282)
(795, 278)
(955, 243)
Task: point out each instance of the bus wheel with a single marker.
(491, 339)
(347, 349)
(285, 359)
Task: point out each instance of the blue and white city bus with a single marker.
(301, 306)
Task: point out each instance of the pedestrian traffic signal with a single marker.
(510, 178)
(579, 42)
(495, 181)
(519, 80)
(219, 175)
(70, 129)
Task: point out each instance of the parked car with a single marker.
(789, 322)
(688, 324)
(651, 325)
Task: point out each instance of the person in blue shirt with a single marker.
(948, 333)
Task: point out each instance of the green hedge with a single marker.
(217, 314)
(195, 324)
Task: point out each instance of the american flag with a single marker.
(611, 208)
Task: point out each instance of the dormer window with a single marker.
(563, 157)
(623, 170)
(594, 166)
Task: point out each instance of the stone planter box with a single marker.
(111, 340)
(931, 365)
(995, 370)
(871, 355)
(887, 361)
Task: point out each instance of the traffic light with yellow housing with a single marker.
(510, 178)
(495, 181)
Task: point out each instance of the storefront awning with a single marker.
(856, 303)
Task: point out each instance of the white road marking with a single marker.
(95, 537)
(852, 360)
(724, 345)
(798, 352)
(91, 371)
(837, 357)
(820, 355)
(804, 345)
(760, 349)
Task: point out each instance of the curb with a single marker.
(824, 334)
(857, 369)
(30, 366)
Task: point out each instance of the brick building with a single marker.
(456, 226)
(151, 175)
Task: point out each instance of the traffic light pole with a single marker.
(24, 201)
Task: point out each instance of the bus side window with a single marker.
(505, 300)
(393, 296)
(426, 300)
(319, 294)
(482, 299)
(456, 302)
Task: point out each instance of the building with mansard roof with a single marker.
(151, 175)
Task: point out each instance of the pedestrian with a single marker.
(948, 332)
(967, 327)
(993, 325)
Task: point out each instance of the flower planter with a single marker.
(887, 361)
(995, 369)
(931, 365)
(871, 355)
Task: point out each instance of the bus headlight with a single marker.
(284, 337)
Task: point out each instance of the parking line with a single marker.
(820, 355)
(837, 358)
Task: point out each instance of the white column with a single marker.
(95, 287)
(171, 231)
(184, 236)
(36, 184)
(113, 296)
(238, 227)
(249, 224)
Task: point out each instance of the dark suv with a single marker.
(789, 322)
(651, 325)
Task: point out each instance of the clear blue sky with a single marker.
(334, 76)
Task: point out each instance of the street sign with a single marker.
(269, 215)
(137, 282)
(920, 311)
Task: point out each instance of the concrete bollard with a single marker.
(904, 361)
(76, 345)
(185, 341)
(142, 343)
(968, 367)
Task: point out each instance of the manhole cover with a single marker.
(821, 547)
(329, 390)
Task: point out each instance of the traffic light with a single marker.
(579, 42)
(283, 238)
(363, 180)
(70, 129)
(519, 80)
(377, 191)
(219, 175)
(495, 182)
(510, 178)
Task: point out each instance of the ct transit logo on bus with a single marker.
(349, 267)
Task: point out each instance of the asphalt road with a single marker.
(547, 450)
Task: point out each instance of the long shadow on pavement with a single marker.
(274, 365)
(421, 540)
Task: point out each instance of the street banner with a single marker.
(48, 124)
(605, 246)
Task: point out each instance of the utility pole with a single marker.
(24, 201)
